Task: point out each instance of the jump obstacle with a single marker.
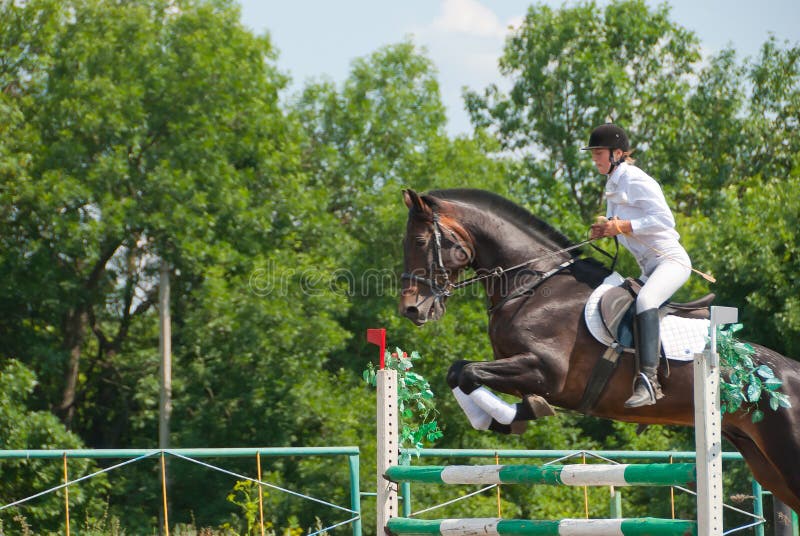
(707, 472)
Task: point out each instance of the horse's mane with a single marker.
(502, 207)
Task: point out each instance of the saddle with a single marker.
(618, 313)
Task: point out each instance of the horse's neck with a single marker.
(501, 244)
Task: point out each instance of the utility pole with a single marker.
(165, 391)
(165, 348)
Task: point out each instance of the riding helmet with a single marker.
(608, 136)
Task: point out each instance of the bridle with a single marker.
(445, 288)
(440, 290)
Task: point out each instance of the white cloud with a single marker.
(468, 17)
(465, 41)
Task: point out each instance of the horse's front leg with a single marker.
(519, 375)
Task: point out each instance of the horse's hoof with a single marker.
(519, 427)
(538, 406)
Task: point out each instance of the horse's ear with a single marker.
(415, 202)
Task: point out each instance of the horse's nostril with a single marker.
(411, 312)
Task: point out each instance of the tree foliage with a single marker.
(570, 69)
(25, 428)
(152, 133)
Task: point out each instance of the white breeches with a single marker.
(667, 277)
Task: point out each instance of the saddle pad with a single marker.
(681, 337)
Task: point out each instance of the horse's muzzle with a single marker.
(420, 311)
(412, 313)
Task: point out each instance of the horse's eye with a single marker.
(460, 255)
(421, 241)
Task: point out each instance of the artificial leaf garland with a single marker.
(417, 410)
(744, 381)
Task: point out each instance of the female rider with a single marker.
(637, 211)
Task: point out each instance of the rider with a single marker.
(637, 211)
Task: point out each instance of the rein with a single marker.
(446, 287)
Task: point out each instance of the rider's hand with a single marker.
(612, 227)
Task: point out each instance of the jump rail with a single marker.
(646, 526)
(653, 474)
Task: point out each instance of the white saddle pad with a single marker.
(681, 337)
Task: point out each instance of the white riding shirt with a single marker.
(632, 194)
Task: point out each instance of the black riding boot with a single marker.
(646, 389)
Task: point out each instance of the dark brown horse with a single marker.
(542, 347)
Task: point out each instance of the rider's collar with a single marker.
(613, 178)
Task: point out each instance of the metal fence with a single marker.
(353, 512)
(197, 456)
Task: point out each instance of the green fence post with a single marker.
(405, 491)
(758, 507)
(355, 492)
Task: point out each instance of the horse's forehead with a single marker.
(448, 217)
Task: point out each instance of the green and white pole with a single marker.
(400, 526)
(653, 474)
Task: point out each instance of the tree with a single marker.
(151, 132)
(26, 429)
(571, 68)
(744, 168)
(382, 131)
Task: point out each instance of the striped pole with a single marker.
(653, 474)
(646, 526)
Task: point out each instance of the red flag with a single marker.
(377, 336)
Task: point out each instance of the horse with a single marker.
(537, 284)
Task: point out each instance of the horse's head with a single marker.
(436, 249)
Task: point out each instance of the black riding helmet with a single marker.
(608, 136)
(611, 137)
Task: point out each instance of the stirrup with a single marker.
(651, 386)
(653, 391)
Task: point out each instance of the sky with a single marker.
(319, 39)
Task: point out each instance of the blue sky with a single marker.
(464, 38)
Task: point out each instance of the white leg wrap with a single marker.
(479, 419)
(501, 411)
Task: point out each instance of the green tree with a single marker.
(771, 148)
(150, 133)
(384, 130)
(744, 168)
(756, 258)
(27, 429)
(572, 67)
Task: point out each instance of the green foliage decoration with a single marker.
(747, 381)
(415, 401)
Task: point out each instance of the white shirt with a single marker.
(632, 194)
